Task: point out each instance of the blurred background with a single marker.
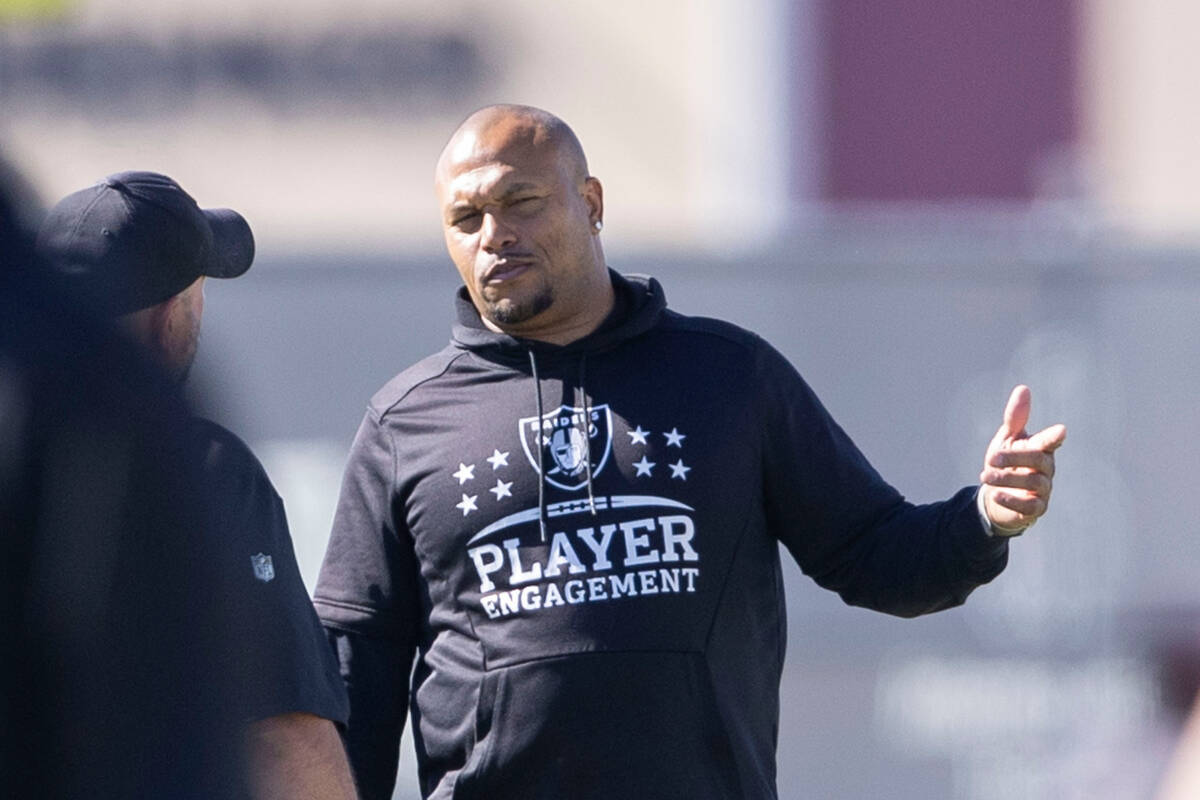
(921, 203)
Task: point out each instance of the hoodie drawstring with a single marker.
(541, 433)
(587, 430)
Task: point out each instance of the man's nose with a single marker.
(495, 235)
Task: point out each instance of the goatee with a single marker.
(509, 313)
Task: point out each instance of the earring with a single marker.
(599, 226)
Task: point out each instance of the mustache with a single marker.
(506, 259)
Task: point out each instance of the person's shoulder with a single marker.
(718, 330)
(727, 347)
(389, 398)
(217, 440)
(228, 462)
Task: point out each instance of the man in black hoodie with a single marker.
(570, 516)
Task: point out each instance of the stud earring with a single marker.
(599, 226)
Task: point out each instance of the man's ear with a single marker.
(593, 195)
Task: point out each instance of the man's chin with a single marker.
(508, 312)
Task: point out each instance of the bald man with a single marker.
(559, 536)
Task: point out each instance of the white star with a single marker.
(464, 473)
(678, 470)
(498, 460)
(501, 489)
(674, 438)
(638, 436)
(468, 504)
(643, 467)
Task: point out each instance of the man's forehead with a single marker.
(494, 175)
(486, 179)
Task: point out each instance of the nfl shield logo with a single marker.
(264, 570)
(567, 439)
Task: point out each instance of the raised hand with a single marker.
(1018, 469)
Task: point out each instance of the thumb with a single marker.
(1016, 413)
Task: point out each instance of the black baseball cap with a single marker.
(137, 238)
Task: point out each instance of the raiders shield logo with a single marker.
(566, 440)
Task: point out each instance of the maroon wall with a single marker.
(930, 100)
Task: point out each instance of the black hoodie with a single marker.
(586, 564)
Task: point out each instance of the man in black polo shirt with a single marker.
(135, 248)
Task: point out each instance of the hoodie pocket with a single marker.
(601, 725)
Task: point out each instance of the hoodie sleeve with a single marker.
(849, 529)
(368, 600)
